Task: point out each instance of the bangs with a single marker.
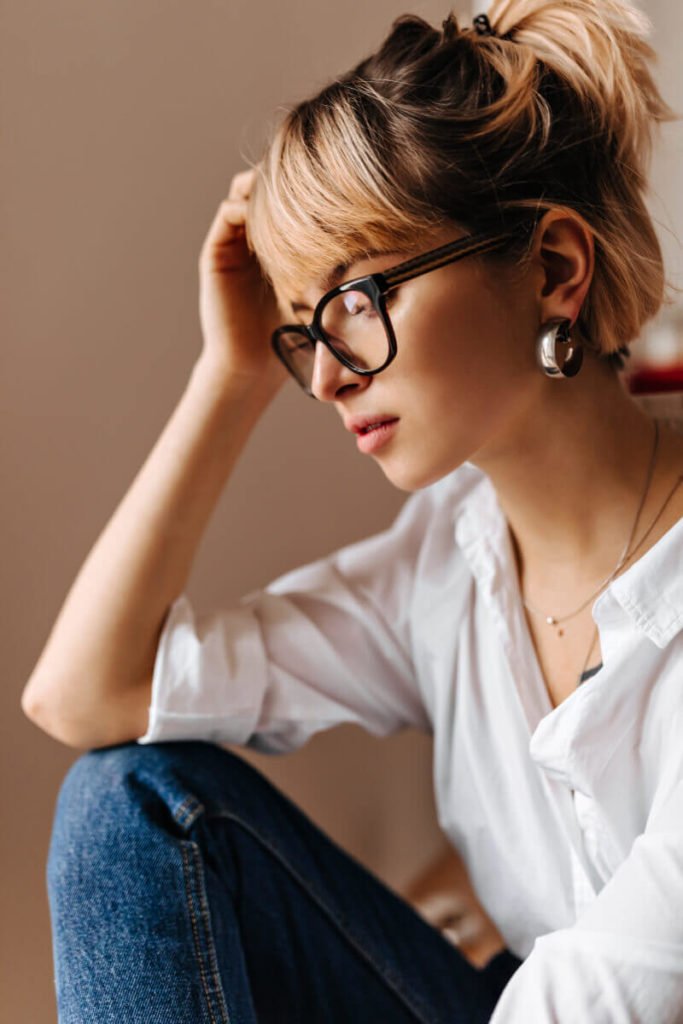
(325, 195)
(452, 127)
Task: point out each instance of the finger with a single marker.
(465, 930)
(230, 217)
(227, 225)
(233, 211)
(438, 904)
(240, 186)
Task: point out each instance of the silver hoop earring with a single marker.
(549, 334)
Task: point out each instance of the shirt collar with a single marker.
(650, 591)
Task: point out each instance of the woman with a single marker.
(450, 243)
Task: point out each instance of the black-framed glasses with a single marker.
(352, 319)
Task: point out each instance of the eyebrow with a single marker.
(331, 279)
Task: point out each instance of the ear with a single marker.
(564, 253)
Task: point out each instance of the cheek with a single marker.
(464, 368)
(470, 349)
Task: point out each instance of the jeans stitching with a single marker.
(188, 811)
(198, 875)
(392, 981)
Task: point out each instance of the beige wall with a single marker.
(123, 124)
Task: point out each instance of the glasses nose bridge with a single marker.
(325, 363)
(314, 332)
(329, 373)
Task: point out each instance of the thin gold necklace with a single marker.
(555, 620)
(679, 480)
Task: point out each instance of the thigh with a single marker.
(324, 939)
(183, 882)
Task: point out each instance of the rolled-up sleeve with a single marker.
(324, 644)
(622, 960)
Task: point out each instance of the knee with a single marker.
(95, 799)
(169, 783)
(115, 800)
(96, 781)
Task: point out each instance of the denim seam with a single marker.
(188, 811)
(214, 993)
(391, 981)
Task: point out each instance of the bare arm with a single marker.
(91, 684)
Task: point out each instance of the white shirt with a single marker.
(569, 820)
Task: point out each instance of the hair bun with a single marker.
(599, 48)
(480, 133)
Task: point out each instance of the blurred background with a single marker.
(123, 123)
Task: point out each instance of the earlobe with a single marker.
(565, 251)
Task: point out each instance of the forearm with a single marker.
(104, 640)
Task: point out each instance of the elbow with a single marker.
(33, 705)
(85, 720)
(39, 710)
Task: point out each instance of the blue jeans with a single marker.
(185, 888)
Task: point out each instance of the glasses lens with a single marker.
(356, 330)
(298, 352)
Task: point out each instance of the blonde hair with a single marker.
(553, 111)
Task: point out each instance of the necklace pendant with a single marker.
(551, 620)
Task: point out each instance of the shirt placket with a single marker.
(488, 556)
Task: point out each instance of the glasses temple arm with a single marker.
(469, 246)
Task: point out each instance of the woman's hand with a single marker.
(466, 926)
(237, 307)
(444, 897)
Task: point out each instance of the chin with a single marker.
(410, 477)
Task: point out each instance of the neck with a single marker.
(570, 475)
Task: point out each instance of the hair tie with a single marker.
(482, 25)
(619, 357)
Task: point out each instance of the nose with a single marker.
(330, 375)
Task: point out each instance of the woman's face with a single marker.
(464, 372)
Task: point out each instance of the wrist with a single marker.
(215, 373)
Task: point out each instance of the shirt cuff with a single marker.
(208, 683)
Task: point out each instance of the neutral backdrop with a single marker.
(123, 123)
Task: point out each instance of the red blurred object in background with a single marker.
(648, 379)
(655, 366)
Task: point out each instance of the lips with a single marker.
(374, 426)
(364, 424)
(375, 438)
